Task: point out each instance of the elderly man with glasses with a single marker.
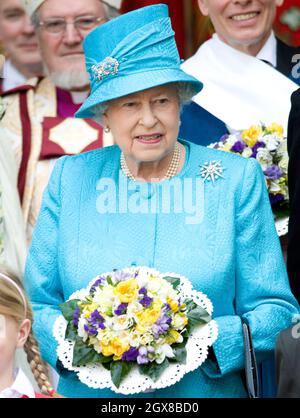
(39, 119)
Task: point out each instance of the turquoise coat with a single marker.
(230, 251)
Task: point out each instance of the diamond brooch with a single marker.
(109, 66)
(211, 171)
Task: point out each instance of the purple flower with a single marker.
(143, 291)
(276, 198)
(223, 138)
(90, 330)
(273, 172)
(239, 147)
(131, 354)
(166, 307)
(162, 325)
(100, 281)
(121, 309)
(143, 357)
(146, 301)
(255, 148)
(76, 315)
(121, 276)
(95, 321)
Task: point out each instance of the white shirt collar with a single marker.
(20, 387)
(268, 51)
(11, 76)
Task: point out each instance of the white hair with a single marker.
(110, 13)
(185, 93)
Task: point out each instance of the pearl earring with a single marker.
(106, 129)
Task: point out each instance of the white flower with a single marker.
(81, 332)
(231, 140)
(272, 142)
(264, 158)
(247, 152)
(146, 338)
(121, 322)
(283, 164)
(104, 298)
(274, 187)
(282, 149)
(96, 344)
(179, 321)
(160, 287)
(162, 352)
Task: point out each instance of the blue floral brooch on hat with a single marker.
(109, 66)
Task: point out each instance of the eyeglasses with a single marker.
(58, 25)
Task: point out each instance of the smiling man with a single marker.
(20, 44)
(246, 71)
(39, 119)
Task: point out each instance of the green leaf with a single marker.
(106, 365)
(198, 316)
(180, 353)
(190, 304)
(83, 354)
(71, 332)
(154, 370)
(119, 370)
(68, 308)
(174, 281)
(109, 280)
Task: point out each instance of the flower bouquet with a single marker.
(268, 146)
(134, 329)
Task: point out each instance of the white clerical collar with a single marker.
(19, 388)
(268, 51)
(11, 76)
(239, 88)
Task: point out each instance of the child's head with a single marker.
(15, 330)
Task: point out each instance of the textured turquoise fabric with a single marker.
(233, 255)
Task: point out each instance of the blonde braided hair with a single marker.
(12, 300)
(37, 365)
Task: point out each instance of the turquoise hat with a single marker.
(133, 52)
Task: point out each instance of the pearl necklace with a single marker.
(172, 169)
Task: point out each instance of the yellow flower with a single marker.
(127, 291)
(107, 350)
(226, 147)
(174, 305)
(116, 347)
(251, 135)
(180, 320)
(173, 337)
(147, 317)
(276, 129)
(88, 309)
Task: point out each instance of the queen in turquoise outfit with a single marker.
(158, 201)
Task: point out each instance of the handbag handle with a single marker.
(252, 380)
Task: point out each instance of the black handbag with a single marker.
(251, 370)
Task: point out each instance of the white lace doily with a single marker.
(282, 226)
(97, 377)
